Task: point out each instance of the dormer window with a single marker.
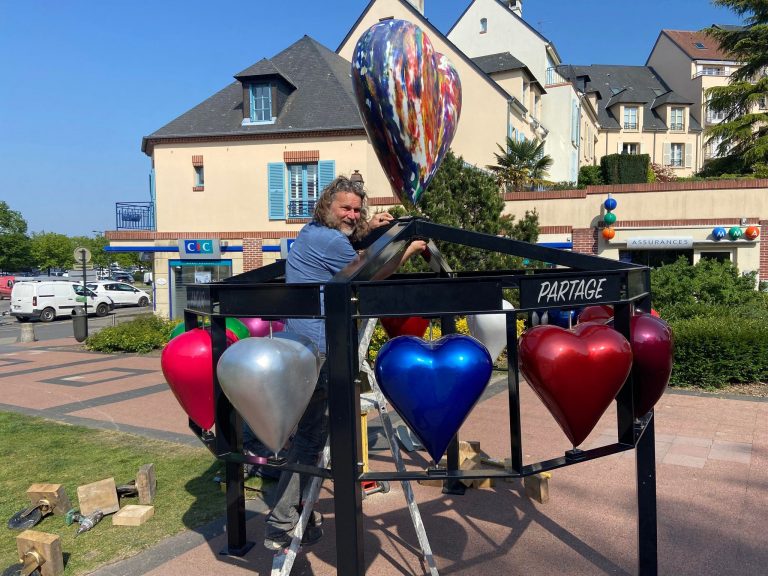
(700, 46)
(630, 118)
(261, 103)
(676, 119)
(483, 25)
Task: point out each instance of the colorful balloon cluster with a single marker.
(609, 218)
(409, 97)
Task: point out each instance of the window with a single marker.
(700, 46)
(303, 190)
(715, 117)
(630, 148)
(676, 119)
(483, 25)
(261, 103)
(709, 70)
(762, 103)
(717, 256)
(630, 118)
(676, 155)
(199, 177)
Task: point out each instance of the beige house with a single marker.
(637, 113)
(691, 62)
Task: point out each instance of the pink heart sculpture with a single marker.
(652, 348)
(408, 326)
(409, 98)
(259, 328)
(188, 368)
(576, 373)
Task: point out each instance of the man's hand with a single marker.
(380, 219)
(415, 247)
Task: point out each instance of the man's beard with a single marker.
(349, 230)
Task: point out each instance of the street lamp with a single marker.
(357, 178)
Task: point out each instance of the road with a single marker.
(60, 327)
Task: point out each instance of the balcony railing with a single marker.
(301, 208)
(135, 216)
(554, 77)
(676, 126)
(711, 73)
(630, 125)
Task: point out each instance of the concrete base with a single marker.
(27, 333)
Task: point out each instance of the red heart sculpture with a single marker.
(597, 312)
(188, 368)
(409, 326)
(652, 348)
(576, 373)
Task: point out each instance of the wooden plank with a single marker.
(53, 493)
(133, 515)
(46, 546)
(146, 483)
(101, 495)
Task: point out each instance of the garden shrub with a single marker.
(142, 335)
(715, 351)
(590, 176)
(625, 168)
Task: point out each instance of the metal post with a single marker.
(85, 289)
(344, 420)
(513, 386)
(645, 458)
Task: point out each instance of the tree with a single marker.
(468, 198)
(523, 164)
(14, 242)
(52, 250)
(744, 131)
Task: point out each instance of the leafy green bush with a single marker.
(141, 335)
(714, 351)
(625, 168)
(590, 176)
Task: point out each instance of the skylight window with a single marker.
(700, 46)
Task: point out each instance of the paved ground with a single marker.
(712, 482)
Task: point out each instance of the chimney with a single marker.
(419, 5)
(516, 6)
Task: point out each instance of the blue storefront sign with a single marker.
(193, 249)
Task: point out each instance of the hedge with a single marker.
(625, 168)
(713, 352)
(142, 335)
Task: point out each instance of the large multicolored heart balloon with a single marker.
(405, 326)
(491, 330)
(409, 98)
(433, 385)
(576, 373)
(270, 381)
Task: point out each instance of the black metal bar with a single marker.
(264, 274)
(513, 386)
(229, 438)
(625, 398)
(344, 418)
(451, 485)
(268, 463)
(276, 300)
(645, 458)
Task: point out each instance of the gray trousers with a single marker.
(309, 441)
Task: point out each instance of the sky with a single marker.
(82, 81)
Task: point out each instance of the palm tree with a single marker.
(523, 164)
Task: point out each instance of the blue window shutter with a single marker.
(276, 190)
(326, 172)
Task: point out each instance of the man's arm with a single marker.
(415, 247)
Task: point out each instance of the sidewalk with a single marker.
(712, 483)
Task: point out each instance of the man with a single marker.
(322, 249)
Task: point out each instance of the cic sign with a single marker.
(206, 249)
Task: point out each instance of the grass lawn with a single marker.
(36, 450)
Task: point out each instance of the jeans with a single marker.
(309, 441)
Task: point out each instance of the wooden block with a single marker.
(133, 515)
(46, 546)
(53, 493)
(146, 483)
(101, 495)
(537, 487)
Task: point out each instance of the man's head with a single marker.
(342, 206)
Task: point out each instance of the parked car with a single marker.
(122, 294)
(47, 299)
(122, 277)
(6, 284)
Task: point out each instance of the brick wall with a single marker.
(584, 240)
(763, 273)
(253, 257)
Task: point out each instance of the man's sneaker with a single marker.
(281, 541)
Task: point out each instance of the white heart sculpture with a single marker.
(491, 330)
(270, 381)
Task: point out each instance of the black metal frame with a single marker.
(352, 295)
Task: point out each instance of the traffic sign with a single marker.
(80, 252)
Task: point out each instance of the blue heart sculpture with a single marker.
(433, 385)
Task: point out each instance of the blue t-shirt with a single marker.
(316, 256)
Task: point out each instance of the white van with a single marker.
(44, 300)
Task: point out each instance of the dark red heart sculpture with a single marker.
(188, 368)
(409, 326)
(576, 373)
(652, 348)
(599, 312)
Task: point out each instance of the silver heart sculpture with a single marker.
(270, 382)
(491, 330)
